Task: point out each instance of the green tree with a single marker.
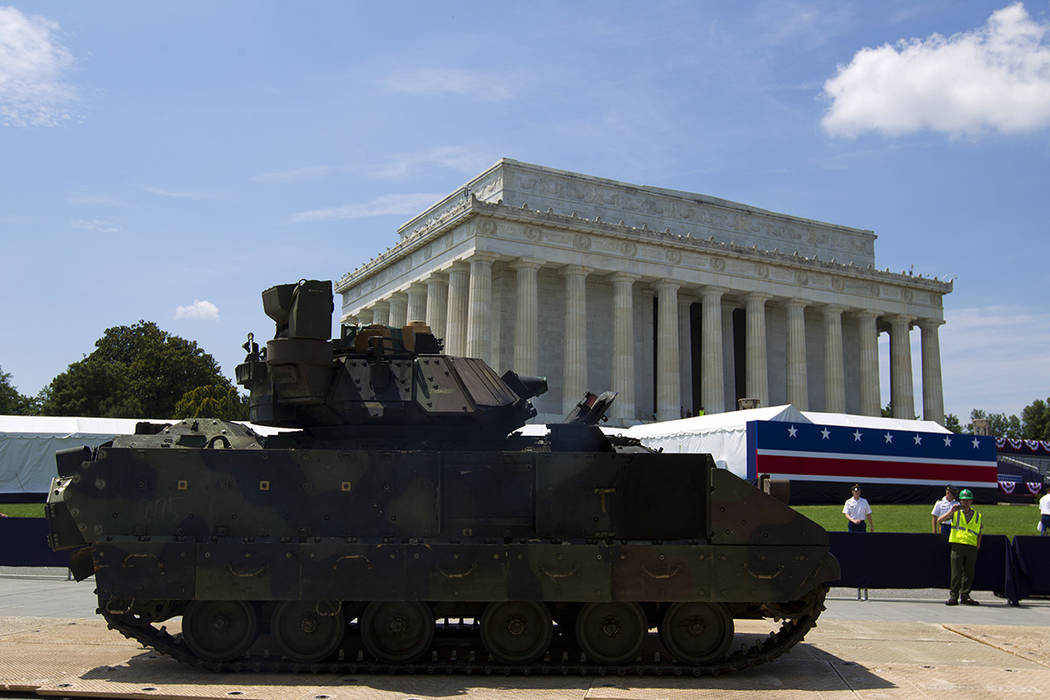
(951, 422)
(1035, 420)
(135, 371)
(212, 401)
(11, 402)
(1001, 425)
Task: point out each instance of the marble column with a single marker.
(868, 338)
(479, 326)
(380, 313)
(712, 386)
(797, 377)
(574, 384)
(456, 314)
(623, 409)
(901, 393)
(757, 372)
(834, 373)
(728, 352)
(668, 388)
(398, 309)
(437, 303)
(932, 390)
(417, 303)
(685, 353)
(526, 323)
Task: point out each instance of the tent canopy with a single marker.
(28, 445)
(722, 435)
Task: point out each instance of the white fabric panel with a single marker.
(876, 422)
(28, 445)
(27, 462)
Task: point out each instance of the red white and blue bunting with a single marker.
(1024, 446)
(1033, 487)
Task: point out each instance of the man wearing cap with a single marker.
(964, 541)
(942, 506)
(857, 510)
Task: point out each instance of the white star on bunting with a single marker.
(976, 443)
(918, 440)
(791, 431)
(889, 438)
(856, 436)
(947, 441)
(825, 433)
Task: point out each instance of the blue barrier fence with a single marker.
(1014, 570)
(23, 542)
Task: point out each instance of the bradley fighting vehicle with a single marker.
(401, 525)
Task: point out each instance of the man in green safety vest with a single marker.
(964, 541)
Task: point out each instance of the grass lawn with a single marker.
(998, 520)
(22, 510)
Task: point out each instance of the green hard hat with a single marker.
(966, 494)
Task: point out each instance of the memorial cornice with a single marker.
(464, 206)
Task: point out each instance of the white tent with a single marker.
(876, 422)
(28, 445)
(722, 435)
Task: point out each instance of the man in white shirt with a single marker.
(942, 506)
(1044, 513)
(857, 511)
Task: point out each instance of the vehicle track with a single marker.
(457, 649)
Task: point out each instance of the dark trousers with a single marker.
(946, 529)
(862, 526)
(964, 563)
(1045, 519)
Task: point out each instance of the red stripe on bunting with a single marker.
(862, 469)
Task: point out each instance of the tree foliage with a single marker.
(1035, 420)
(212, 401)
(13, 403)
(951, 422)
(1001, 425)
(135, 371)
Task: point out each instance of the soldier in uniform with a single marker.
(964, 541)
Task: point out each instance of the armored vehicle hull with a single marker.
(344, 547)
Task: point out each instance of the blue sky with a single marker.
(169, 160)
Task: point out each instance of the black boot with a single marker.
(952, 601)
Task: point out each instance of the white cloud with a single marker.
(311, 171)
(403, 204)
(95, 225)
(995, 77)
(176, 194)
(452, 157)
(32, 65)
(199, 310)
(433, 81)
(94, 200)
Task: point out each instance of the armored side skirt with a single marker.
(459, 571)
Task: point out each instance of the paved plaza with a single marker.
(895, 644)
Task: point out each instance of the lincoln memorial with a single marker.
(678, 301)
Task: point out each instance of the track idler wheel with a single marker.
(307, 631)
(397, 633)
(516, 632)
(611, 633)
(697, 633)
(219, 630)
